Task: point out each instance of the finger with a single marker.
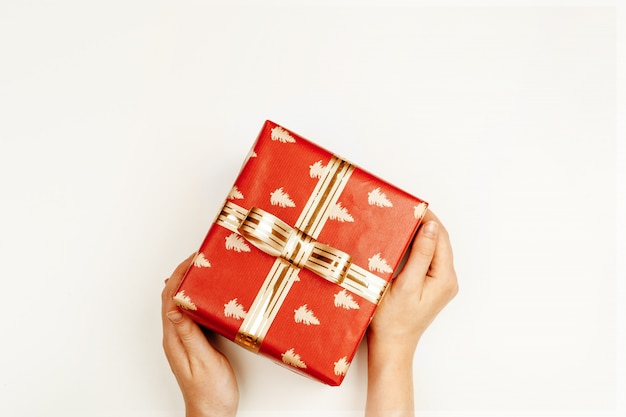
(172, 283)
(443, 258)
(442, 274)
(190, 336)
(420, 257)
(174, 349)
(430, 216)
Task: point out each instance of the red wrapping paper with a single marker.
(319, 325)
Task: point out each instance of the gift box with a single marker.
(300, 255)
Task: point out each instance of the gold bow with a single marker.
(275, 237)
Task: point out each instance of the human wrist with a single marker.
(391, 350)
(209, 414)
(383, 363)
(197, 411)
(390, 381)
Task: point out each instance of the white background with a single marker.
(123, 125)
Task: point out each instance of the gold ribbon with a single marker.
(275, 237)
(296, 248)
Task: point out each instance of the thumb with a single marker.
(420, 257)
(190, 334)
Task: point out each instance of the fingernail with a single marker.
(430, 229)
(166, 279)
(175, 316)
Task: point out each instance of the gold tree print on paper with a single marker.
(235, 194)
(182, 300)
(345, 300)
(341, 366)
(304, 315)
(317, 169)
(339, 213)
(379, 264)
(378, 198)
(235, 310)
(292, 358)
(280, 198)
(236, 243)
(419, 210)
(281, 135)
(200, 261)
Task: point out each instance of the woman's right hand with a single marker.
(423, 288)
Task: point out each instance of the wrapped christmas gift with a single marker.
(300, 255)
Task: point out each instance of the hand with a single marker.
(204, 375)
(423, 288)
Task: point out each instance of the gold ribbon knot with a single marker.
(275, 237)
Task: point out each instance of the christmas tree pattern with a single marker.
(235, 194)
(200, 261)
(304, 315)
(419, 210)
(292, 358)
(345, 300)
(339, 213)
(317, 169)
(280, 198)
(281, 135)
(182, 300)
(376, 263)
(236, 243)
(234, 309)
(341, 366)
(378, 198)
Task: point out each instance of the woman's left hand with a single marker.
(205, 377)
